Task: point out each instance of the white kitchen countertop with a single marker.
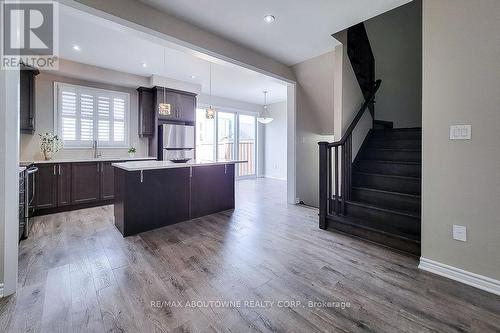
(155, 165)
(91, 159)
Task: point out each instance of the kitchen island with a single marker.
(153, 194)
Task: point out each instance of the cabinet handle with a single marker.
(142, 176)
(54, 172)
(225, 169)
(59, 173)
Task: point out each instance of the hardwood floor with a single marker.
(78, 274)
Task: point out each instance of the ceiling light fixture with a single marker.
(264, 117)
(164, 108)
(269, 18)
(210, 112)
(144, 65)
(76, 48)
(193, 76)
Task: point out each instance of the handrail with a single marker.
(356, 119)
(335, 190)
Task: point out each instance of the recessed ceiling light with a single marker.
(269, 18)
(144, 65)
(76, 48)
(193, 76)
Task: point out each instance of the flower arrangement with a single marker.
(131, 151)
(49, 144)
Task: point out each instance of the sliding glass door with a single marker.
(226, 135)
(247, 144)
(230, 135)
(205, 137)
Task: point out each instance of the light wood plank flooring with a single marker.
(78, 274)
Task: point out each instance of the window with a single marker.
(231, 133)
(205, 133)
(84, 114)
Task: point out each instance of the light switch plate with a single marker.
(460, 132)
(459, 233)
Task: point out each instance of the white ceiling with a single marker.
(302, 29)
(107, 44)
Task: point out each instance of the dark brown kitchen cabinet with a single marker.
(107, 181)
(27, 98)
(146, 112)
(46, 186)
(212, 189)
(182, 104)
(186, 106)
(85, 182)
(63, 171)
(53, 185)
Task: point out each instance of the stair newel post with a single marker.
(337, 187)
(329, 150)
(349, 168)
(323, 184)
(344, 176)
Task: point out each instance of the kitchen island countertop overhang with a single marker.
(154, 194)
(157, 165)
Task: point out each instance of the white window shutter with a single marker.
(87, 114)
(119, 120)
(68, 113)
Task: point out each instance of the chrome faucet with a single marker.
(97, 154)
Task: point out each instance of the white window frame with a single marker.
(95, 92)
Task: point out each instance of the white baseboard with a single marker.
(460, 275)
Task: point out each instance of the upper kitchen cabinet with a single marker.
(146, 112)
(27, 98)
(175, 105)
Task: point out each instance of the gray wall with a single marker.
(275, 142)
(461, 179)
(396, 41)
(314, 121)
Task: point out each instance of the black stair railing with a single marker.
(360, 54)
(335, 167)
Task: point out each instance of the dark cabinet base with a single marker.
(162, 197)
(53, 210)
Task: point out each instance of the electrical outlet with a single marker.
(459, 233)
(460, 132)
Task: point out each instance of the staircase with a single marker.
(386, 183)
(376, 197)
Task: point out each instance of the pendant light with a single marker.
(264, 117)
(210, 112)
(164, 108)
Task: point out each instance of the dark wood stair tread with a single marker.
(397, 149)
(357, 227)
(355, 221)
(388, 176)
(416, 196)
(392, 162)
(386, 210)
